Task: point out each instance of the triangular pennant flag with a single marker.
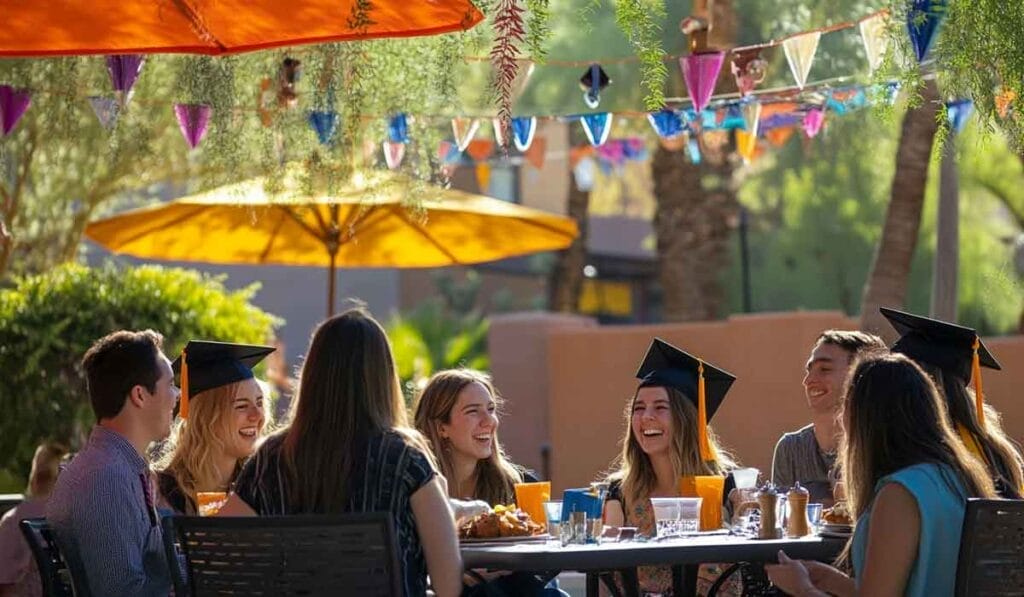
(612, 153)
(193, 120)
(499, 134)
(634, 149)
(124, 70)
(749, 69)
(324, 124)
(813, 120)
(537, 152)
(751, 116)
(398, 129)
(483, 176)
(106, 110)
(480, 149)
(693, 149)
(597, 127)
(958, 112)
(1004, 100)
(585, 173)
(923, 20)
(779, 135)
(700, 71)
(800, 51)
(13, 103)
(872, 33)
(745, 145)
(523, 129)
(464, 129)
(522, 79)
(393, 154)
(448, 153)
(666, 123)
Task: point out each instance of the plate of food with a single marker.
(836, 521)
(503, 524)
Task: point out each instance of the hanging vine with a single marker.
(509, 34)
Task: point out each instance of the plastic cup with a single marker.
(745, 478)
(676, 515)
(553, 514)
(530, 498)
(208, 503)
(814, 515)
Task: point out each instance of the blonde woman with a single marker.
(222, 418)
(666, 440)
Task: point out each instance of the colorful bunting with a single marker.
(693, 149)
(394, 151)
(746, 143)
(585, 173)
(958, 112)
(483, 176)
(536, 153)
(464, 130)
(800, 51)
(13, 103)
(923, 20)
(751, 116)
(616, 152)
(700, 72)
(597, 127)
(813, 121)
(193, 120)
(667, 123)
(749, 69)
(324, 123)
(872, 33)
(779, 135)
(124, 70)
(448, 152)
(106, 110)
(480, 149)
(398, 129)
(845, 99)
(523, 129)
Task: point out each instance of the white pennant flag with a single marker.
(872, 32)
(800, 51)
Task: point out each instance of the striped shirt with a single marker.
(103, 514)
(798, 458)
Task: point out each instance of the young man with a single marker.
(808, 455)
(102, 508)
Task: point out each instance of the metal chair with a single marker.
(54, 574)
(991, 559)
(354, 554)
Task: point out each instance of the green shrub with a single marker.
(47, 322)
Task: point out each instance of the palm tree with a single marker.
(566, 278)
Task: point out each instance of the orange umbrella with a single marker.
(59, 27)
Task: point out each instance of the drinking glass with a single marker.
(553, 514)
(530, 498)
(814, 516)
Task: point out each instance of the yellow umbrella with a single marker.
(364, 224)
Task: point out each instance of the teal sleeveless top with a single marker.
(941, 501)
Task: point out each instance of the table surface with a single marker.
(616, 555)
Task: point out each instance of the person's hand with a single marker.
(463, 509)
(792, 576)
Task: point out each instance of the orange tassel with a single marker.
(979, 395)
(706, 451)
(183, 409)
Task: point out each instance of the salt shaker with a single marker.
(796, 522)
(768, 500)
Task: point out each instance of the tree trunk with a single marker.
(887, 282)
(566, 282)
(947, 243)
(691, 224)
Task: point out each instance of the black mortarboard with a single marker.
(947, 346)
(667, 366)
(206, 365)
(593, 81)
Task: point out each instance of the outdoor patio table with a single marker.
(683, 554)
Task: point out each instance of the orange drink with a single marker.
(530, 498)
(712, 489)
(208, 503)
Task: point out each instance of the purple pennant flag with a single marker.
(13, 103)
(106, 110)
(813, 121)
(700, 71)
(193, 120)
(124, 70)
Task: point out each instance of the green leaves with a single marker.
(641, 21)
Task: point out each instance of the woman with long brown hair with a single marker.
(908, 477)
(349, 449)
(221, 418)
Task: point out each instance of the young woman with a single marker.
(907, 477)
(945, 351)
(348, 449)
(666, 440)
(222, 418)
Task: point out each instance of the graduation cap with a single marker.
(703, 383)
(592, 82)
(207, 365)
(953, 348)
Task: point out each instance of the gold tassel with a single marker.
(979, 395)
(970, 443)
(183, 410)
(707, 453)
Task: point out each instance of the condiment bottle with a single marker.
(796, 522)
(768, 500)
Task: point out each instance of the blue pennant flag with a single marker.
(398, 129)
(597, 127)
(693, 148)
(667, 123)
(923, 20)
(523, 128)
(958, 112)
(324, 123)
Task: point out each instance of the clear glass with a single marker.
(814, 517)
(553, 514)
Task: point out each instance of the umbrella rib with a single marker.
(164, 226)
(273, 238)
(312, 232)
(198, 26)
(364, 222)
(400, 212)
(544, 226)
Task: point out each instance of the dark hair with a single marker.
(348, 391)
(852, 341)
(118, 362)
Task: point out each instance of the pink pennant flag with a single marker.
(393, 154)
(700, 71)
(193, 120)
(13, 103)
(813, 121)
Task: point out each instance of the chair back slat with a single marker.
(992, 549)
(53, 573)
(289, 555)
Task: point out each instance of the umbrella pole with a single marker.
(330, 284)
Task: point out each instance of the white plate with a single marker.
(524, 539)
